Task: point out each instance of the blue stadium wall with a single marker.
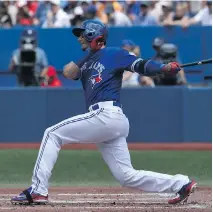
(61, 46)
(177, 114)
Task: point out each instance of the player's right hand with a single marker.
(172, 68)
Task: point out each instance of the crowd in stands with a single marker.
(56, 13)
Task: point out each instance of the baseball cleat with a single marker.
(29, 197)
(184, 193)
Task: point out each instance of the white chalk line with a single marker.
(121, 207)
(148, 201)
(104, 194)
(118, 202)
(98, 194)
(118, 194)
(103, 201)
(81, 200)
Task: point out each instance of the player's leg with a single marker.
(92, 127)
(78, 129)
(116, 155)
(82, 128)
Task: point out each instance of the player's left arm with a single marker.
(145, 67)
(150, 67)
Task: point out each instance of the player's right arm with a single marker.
(72, 71)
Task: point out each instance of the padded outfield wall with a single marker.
(177, 114)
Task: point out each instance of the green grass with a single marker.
(86, 168)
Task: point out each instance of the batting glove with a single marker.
(172, 68)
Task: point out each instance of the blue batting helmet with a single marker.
(91, 29)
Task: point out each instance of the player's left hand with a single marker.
(172, 68)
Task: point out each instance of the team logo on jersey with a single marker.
(95, 79)
(96, 73)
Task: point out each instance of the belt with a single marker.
(105, 104)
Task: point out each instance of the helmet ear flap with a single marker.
(97, 43)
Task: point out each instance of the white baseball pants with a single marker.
(108, 127)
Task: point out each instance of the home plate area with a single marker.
(108, 199)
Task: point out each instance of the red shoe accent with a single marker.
(27, 198)
(37, 198)
(184, 193)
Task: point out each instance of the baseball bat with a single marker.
(197, 63)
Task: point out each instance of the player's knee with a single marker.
(52, 137)
(124, 178)
(120, 179)
(127, 178)
(47, 131)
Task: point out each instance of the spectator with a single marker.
(179, 17)
(32, 7)
(78, 16)
(56, 13)
(195, 6)
(144, 18)
(204, 16)
(101, 6)
(192, 7)
(26, 12)
(119, 17)
(12, 11)
(156, 10)
(5, 19)
(130, 79)
(75, 12)
(167, 13)
(84, 5)
(24, 16)
(56, 17)
(50, 78)
(41, 13)
(133, 9)
(29, 60)
(109, 12)
(91, 12)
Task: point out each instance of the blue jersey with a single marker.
(102, 73)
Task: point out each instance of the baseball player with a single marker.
(105, 124)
